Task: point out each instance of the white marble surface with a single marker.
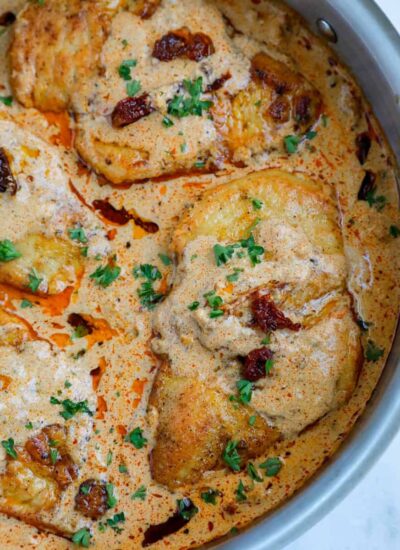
(369, 518)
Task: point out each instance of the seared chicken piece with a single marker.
(184, 95)
(195, 423)
(258, 257)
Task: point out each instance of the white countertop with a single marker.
(369, 518)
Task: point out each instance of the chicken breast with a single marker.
(187, 94)
(259, 311)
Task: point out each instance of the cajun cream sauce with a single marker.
(121, 351)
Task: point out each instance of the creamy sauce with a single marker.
(120, 347)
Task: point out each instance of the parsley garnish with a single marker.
(122, 468)
(133, 87)
(54, 455)
(140, 494)
(233, 277)
(167, 122)
(223, 254)
(71, 408)
(147, 271)
(245, 389)
(26, 303)
(136, 438)
(6, 100)
(291, 143)
(200, 164)
(186, 508)
(166, 260)
(325, 120)
(105, 275)
(182, 106)
(79, 332)
(240, 492)
(8, 251)
(214, 302)
(34, 280)
(124, 69)
(210, 496)
(257, 204)
(29, 426)
(269, 363)
(231, 457)
(394, 231)
(272, 466)
(82, 537)
(78, 234)
(111, 499)
(109, 458)
(149, 298)
(254, 250)
(193, 306)
(252, 420)
(113, 522)
(253, 473)
(373, 352)
(8, 446)
(374, 200)
(265, 341)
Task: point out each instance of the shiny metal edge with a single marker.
(370, 46)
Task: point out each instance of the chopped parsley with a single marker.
(123, 469)
(78, 234)
(272, 466)
(82, 537)
(377, 201)
(79, 332)
(373, 352)
(252, 420)
(29, 426)
(291, 143)
(241, 492)
(6, 100)
(133, 87)
(254, 250)
(193, 306)
(223, 254)
(113, 522)
(124, 69)
(245, 389)
(8, 251)
(311, 134)
(104, 276)
(231, 457)
(54, 455)
(136, 438)
(325, 121)
(265, 341)
(257, 204)
(253, 473)
(200, 164)
(71, 408)
(183, 105)
(167, 122)
(26, 303)
(147, 271)
(214, 302)
(8, 446)
(111, 499)
(149, 298)
(109, 458)
(269, 363)
(34, 280)
(210, 496)
(186, 508)
(140, 494)
(233, 277)
(166, 260)
(394, 231)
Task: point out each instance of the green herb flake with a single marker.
(136, 438)
(265, 341)
(140, 494)
(257, 204)
(123, 469)
(272, 466)
(8, 252)
(71, 408)
(373, 352)
(231, 457)
(54, 455)
(311, 134)
(114, 521)
(133, 87)
(233, 277)
(124, 42)
(6, 100)
(26, 303)
(79, 332)
(376, 201)
(223, 254)
(104, 276)
(111, 499)
(186, 508)
(325, 121)
(245, 389)
(109, 458)
(124, 69)
(167, 122)
(183, 105)
(147, 271)
(34, 280)
(29, 426)
(67, 384)
(78, 234)
(269, 363)
(210, 496)
(166, 260)
(252, 420)
(193, 306)
(82, 537)
(291, 143)
(241, 492)
(8, 446)
(253, 473)
(254, 250)
(200, 164)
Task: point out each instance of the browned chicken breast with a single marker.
(213, 99)
(259, 318)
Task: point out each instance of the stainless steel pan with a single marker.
(370, 46)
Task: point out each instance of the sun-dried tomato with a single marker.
(367, 185)
(254, 364)
(363, 144)
(7, 180)
(218, 83)
(130, 110)
(119, 216)
(76, 320)
(268, 317)
(91, 499)
(182, 43)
